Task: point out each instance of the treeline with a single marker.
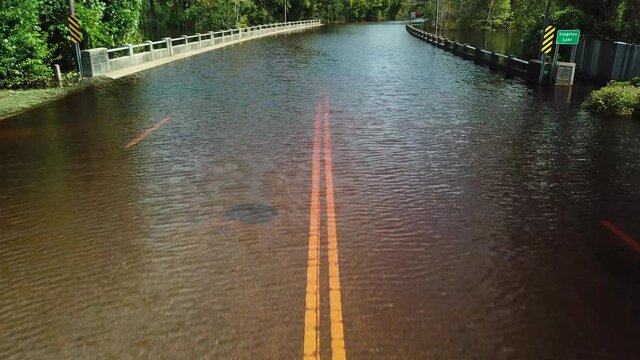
(34, 35)
(607, 19)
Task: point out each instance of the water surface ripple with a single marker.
(468, 209)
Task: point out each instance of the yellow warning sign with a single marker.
(74, 29)
(548, 40)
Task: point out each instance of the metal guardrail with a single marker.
(235, 34)
(510, 64)
(118, 49)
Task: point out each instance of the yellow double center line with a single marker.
(312, 313)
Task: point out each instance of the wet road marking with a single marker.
(148, 132)
(621, 235)
(312, 312)
(335, 297)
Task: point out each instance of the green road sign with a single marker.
(568, 37)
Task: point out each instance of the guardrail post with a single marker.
(477, 58)
(509, 59)
(149, 43)
(212, 37)
(199, 39)
(186, 39)
(495, 60)
(95, 62)
(129, 49)
(169, 46)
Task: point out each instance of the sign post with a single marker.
(75, 34)
(563, 73)
(543, 55)
(547, 45)
(569, 37)
(437, 17)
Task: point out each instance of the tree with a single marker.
(24, 55)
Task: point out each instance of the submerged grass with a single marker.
(16, 101)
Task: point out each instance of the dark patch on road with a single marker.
(251, 213)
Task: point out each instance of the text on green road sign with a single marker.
(568, 37)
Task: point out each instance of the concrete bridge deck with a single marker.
(97, 62)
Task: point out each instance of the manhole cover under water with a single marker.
(252, 213)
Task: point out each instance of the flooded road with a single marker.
(468, 211)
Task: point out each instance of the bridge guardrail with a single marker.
(101, 61)
(507, 63)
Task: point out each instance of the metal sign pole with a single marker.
(79, 60)
(543, 58)
(72, 12)
(554, 64)
(574, 49)
(437, 4)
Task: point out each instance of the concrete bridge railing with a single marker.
(102, 61)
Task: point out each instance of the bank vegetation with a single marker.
(620, 98)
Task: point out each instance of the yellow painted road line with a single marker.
(148, 132)
(312, 312)
(335, 298)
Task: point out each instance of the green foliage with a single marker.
(34, 34)
(499, 14)
(617, 98)
(96, 32)
(571, 18)
(122, 19)
(24, 54)
(53, 14)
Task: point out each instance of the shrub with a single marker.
(617, 98)
(24, 54)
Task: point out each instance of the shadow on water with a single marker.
(504, 42)
(251, 213)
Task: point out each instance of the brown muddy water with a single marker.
(468, 210)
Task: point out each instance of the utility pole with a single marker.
(437, 8)
(72, 12)
(285, 12)
(543, 56)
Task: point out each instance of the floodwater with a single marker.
(468, 210)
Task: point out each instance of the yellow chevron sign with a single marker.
(74, 29)
(548, 40)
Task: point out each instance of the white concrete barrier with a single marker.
(132, 58)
